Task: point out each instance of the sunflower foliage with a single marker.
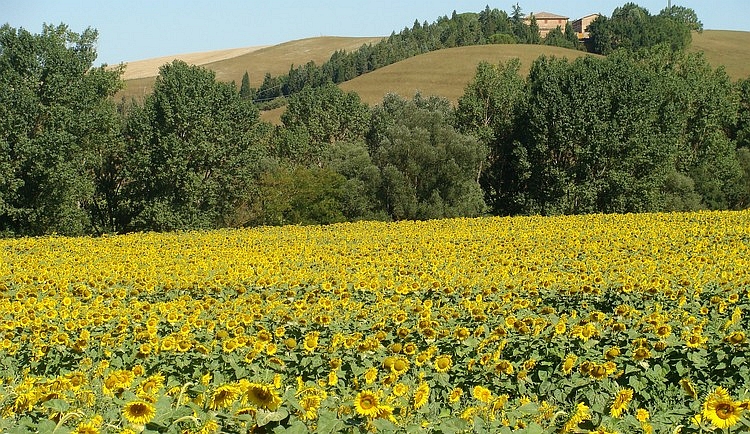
(597, 323)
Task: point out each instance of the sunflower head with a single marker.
(443, 363)
(721, 410)
(139, 412)
(421, 395)
(263, 396)
(366, 403)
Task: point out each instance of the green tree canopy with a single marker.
(325, 115)
(489, 110)
(632, 27)
(427, 168)
(57, 129)
(192, 157)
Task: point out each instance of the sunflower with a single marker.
(642, 415)
(735, 338)
(455, 395)
(641, 353)
(621, 402)
(721, 409)
(569, 363)
(688, 387)
(151, 384)
(310, 404)
(400, 365)
(86, 428)
(400, 389)
(612, 353)
(139, 412)
(371, 374)
(333, 378)
(366, 403)
(443, 363)
(581, 414)
(421, 395)
(263, 396)
(311, 341)
(482, 394)
(224, 396)
(504, 367)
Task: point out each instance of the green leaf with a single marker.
(264, 418)
(58, 405)
(453, 425)
(298, 427)
(46, 427)
(328, 422)
(384, 425)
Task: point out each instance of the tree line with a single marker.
(657, 129)
(630, 26)
(490, 26)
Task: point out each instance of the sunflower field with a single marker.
(597, 323)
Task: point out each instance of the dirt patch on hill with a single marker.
(150, 67)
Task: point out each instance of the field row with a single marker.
(615, 323)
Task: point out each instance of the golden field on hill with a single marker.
(256, 61)
(726, 48)
(613, 323)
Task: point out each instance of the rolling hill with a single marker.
(444, 72)
(257, 61)
(725, 47)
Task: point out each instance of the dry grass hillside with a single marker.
(725, 47)
(257, 61)
(444, 72)
(150, 67)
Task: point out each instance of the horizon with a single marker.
(173, 28)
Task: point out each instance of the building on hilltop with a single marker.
(547, 22)
(581, 25)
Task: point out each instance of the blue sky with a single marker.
(141, 29)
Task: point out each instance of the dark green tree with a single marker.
(300, 195)
(354, 163)
(632, 27)
(489, 110)
(683, 15)
(246, 92)
(192, 157)
(58, 130)
(427, 168)
(325, 115)
(742, 128)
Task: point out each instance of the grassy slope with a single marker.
(444, 72)
(275, 60)
(725, 47)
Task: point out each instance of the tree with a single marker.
(326, 115)
(683, 15)
(632, 27)
(246, 92)
(58, 127)
(300, 195)
(192, 157)
(489, 110)
(427, 168)
(742, 129)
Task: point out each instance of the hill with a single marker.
(725, 47)
(443, 72)
(230, 65)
